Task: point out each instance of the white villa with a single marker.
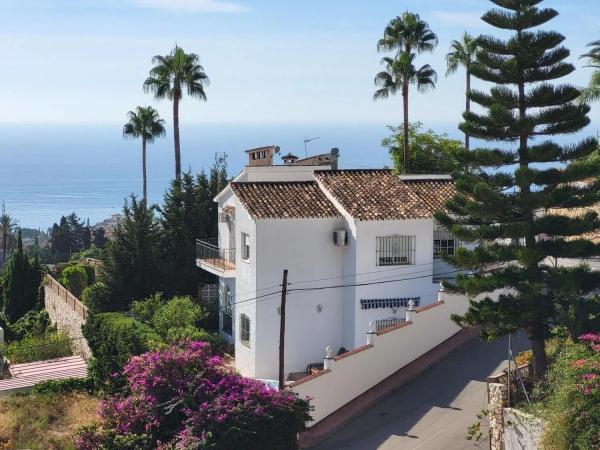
(365, 238)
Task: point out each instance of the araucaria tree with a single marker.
(504, 196)
(462, 53)
(169, 78)
(144, 123)
(408, 36)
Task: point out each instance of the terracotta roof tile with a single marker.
(382, 195)
(284, 200)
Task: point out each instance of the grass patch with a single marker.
(44, 421)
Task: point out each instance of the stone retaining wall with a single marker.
(68, 313)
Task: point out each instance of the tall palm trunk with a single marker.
(468, 105)
(4, 246)
(405, 105)
(176, 99)
(144, 169)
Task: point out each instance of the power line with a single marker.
(336, 277)
(277, 293)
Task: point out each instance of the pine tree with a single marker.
(131, 263)
(503, 197)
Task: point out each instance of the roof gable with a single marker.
(284, 200)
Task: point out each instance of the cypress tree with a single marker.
(21, 286)
(504, 195)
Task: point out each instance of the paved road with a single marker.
(433, 411)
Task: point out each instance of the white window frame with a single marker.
(245, 238)
(245, 330)
(396, 250)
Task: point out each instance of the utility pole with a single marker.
(282, 331)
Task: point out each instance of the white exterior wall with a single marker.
(350, 376)
(304, 247)
(279, 173)
(366, 263)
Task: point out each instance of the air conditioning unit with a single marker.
(340, 238)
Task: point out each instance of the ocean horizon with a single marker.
(50, 170)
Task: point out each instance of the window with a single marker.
(245, 247)
(443, 247)
(245, 330)
(443, 243)
(227, 312)
(395, 250)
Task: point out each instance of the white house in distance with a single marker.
(358, 245)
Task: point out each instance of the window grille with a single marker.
(245, 247)
(396, 250)
(245, 330)
(377, 303)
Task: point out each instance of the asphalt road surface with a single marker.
(433, 411)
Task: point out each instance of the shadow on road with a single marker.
(434, 410)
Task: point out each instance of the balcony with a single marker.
(218, 261)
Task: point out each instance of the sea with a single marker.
(50, 170)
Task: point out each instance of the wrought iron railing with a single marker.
(387, 323)
(208, 252)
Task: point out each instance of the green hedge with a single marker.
(38, 348)
(113, 339)
(64, 386)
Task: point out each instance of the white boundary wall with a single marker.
(351, 374)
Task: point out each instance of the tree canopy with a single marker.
(429, 152)
(504, 192)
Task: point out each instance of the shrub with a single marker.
(144, 310)
(113, 339)
(38, 348)
(179, 312)
(74, 278)
(573, 396)
(93, 253)
(64, 386)
(34, 323)
(194, 334)
(95, 297)
(183, 397)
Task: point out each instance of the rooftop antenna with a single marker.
(306, 141)
(221, 160)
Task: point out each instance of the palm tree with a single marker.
(592, 92)
(398, 75)
(7, 231)
(408, 35)
(168, 78)
(144, 122)
(462, 53)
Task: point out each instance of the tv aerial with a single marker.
(306, 141)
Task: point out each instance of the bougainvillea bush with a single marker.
(573, 392)
(185, 398)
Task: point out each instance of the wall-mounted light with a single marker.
(319, 308)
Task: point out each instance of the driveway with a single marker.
(433, 411)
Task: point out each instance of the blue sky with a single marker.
(268, 60)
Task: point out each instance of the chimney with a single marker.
(262, 156)
(289, 159)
